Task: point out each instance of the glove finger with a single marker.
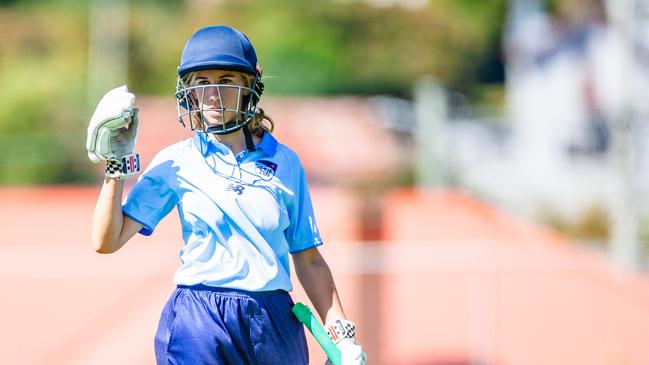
(116, 104)
(129, 118)
(94, 141)
(93, 157)
(103, 146)
(119, 96)
(128, 131)
(118, 122)
(134, 122)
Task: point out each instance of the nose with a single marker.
(213, 93)
(211, 96)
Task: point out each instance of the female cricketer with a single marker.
(244, 205)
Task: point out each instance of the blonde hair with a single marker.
(257, 125)
(260, 123)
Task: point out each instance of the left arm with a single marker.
(316, 279)
(318, 283)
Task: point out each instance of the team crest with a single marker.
(265, 169)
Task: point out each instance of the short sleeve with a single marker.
(154, 195)
(302, 232)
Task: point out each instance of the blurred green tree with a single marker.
(342, 47)
(316, 47)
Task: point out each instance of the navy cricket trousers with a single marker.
(202, 325)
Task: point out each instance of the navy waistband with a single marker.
(234, 291)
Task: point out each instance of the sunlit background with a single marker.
(478, 170)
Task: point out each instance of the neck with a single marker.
(235, 141)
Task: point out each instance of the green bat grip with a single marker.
(304, 315)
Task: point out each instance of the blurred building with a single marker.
(572, 138)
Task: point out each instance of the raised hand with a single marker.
(112, 132)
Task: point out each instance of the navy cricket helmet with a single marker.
(218, 47)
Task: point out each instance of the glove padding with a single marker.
(343, 333)
(351, 353)
(113, 127)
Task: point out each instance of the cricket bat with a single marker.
(304, 315)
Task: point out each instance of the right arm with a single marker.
(111, 229)
(112, 132)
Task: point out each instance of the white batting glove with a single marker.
(343, 333)
(112, 133)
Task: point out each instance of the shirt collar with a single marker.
(207, 146)
(268, 144)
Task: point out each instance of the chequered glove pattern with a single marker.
(126, 166)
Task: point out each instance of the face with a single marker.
(221, 100)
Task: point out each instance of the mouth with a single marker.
(212, 112)
(213, 116)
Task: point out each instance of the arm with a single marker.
(316, 279)
(315, 276)
(111, 137)
(110, 228)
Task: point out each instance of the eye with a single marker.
(226, 81)
(203, 82)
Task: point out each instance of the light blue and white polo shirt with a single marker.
(241, 215)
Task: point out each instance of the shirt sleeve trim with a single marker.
(317, 243)
(146, 230)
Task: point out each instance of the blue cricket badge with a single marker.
(265, 169)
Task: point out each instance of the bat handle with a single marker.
(304, 315)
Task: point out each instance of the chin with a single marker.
(213, 120)
(213, 124)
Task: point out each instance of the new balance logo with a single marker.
(236, 188)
